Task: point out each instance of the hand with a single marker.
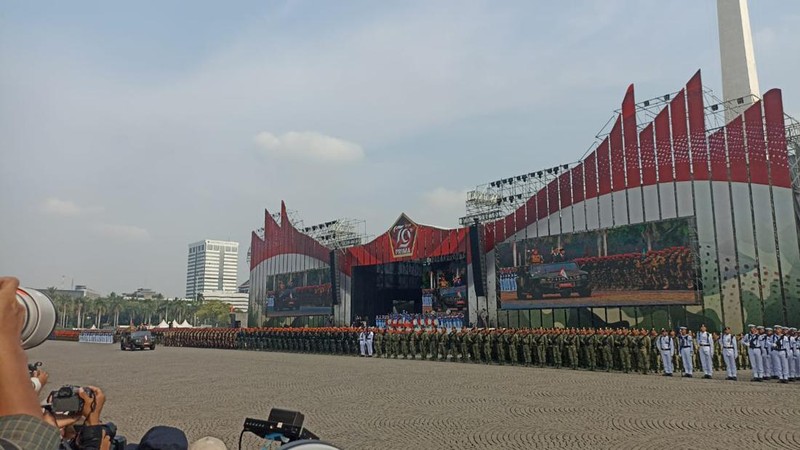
(41, 375)
(12, 314)
(92, 404)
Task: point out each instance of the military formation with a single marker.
(667, 269)
(622, 350)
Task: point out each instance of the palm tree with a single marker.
(101, 306)
(115, 305)
(78, 302)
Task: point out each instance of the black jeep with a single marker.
(563, 278)
(137, 340)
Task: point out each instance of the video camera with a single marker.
(286, 427)
(67, 401)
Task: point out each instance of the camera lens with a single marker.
(40, 317)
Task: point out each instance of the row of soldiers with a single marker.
(588, 348)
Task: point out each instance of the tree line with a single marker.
(113, 310)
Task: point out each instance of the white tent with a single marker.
(163, 324)
(93, 327)
(185, 324)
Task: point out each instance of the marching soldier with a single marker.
(412, 343)
(513, 347)
(434, 348)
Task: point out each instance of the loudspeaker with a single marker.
(334, 279)
(477, 268)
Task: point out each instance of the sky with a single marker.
(130, 129)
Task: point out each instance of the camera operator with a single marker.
(21, 423)
(93, 433)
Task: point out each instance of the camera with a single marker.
(40, 317)
(94, 434)
(32, 368)
(67, 401)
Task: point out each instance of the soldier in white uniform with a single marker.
(730, 351)
(780, 347)
(774, 362)
(794, 363)
(705, 342)
(666, 347)
(766, 360)
(753, 342)
(686, 345)
(370, 337)
(362, 342)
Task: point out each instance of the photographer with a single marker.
(21, 423)
(92, 433)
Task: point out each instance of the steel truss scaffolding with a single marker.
(494, 200)
(488, 202)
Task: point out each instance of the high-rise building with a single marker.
(212, 266)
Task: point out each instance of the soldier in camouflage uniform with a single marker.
(541, 347)
(466, 344)
(454, 344)
(412, 343)
(590, 343)
(526, 341)
(608, 342)
(477, 344)
(627, 346)
(556, 344)
(571, 345)
(488, 345)
(444, 340)
(378, 343)
(513, 346)
(501, 344)
(434, 348)
(424, 344)
(644, 345)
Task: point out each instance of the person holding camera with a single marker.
(21, 424)
(71, 404)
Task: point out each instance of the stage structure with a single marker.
(493, 200)
(675, 217)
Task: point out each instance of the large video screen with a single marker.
(643, 264)
(306, 293)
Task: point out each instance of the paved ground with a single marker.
(370, 404)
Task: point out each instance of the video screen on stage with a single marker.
(643, 264)
(305, 293)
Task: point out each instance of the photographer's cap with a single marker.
(208, 443)
(162, 438)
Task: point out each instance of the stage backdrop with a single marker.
(720, 199)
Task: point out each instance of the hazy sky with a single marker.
(129, 129)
